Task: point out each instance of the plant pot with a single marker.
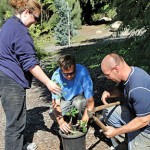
(73, 142)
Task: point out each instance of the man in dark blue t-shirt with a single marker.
(133, 117)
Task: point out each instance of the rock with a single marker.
(115, 26)
(107, 19)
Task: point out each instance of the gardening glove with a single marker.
(64, 127)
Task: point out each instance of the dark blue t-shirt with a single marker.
(137, 92)
(17, 52)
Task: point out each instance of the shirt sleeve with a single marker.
(87, 84)
(141, 101)
(25, 52)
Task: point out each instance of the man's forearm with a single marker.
(135, 124)
(57, 112)
(90, 107)
(90, 104)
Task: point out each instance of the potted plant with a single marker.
(75, 140)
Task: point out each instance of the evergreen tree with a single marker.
(135, 16)
(75, 13)
(52, 18)
(64, 29)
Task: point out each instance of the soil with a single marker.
(40, 128)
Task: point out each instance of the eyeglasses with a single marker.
(35, 17)
(68, 74)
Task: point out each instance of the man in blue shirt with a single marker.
(18, 64)
(77, 90)
(133, 117)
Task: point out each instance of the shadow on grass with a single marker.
(35, 122)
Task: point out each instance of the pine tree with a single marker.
(51, 17)
(64, 29)
(75, 13)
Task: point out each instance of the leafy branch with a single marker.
(80, 126)
(72, 113)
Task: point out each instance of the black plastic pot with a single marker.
(73, 142)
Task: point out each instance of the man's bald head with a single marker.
(115, 68)
(111, 61)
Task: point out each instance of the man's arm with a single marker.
(135, 124)
(58, 114)
(112, 93)
(89, 106)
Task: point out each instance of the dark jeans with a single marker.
(13, 97)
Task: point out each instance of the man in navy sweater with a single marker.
(133, 117)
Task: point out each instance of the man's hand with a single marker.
(105, 96)
(64, 126)
(89, 107)
(111, 132)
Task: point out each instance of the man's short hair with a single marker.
(66, 61)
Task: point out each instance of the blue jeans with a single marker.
(117, 116)
(79, 102)
(13, 97)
